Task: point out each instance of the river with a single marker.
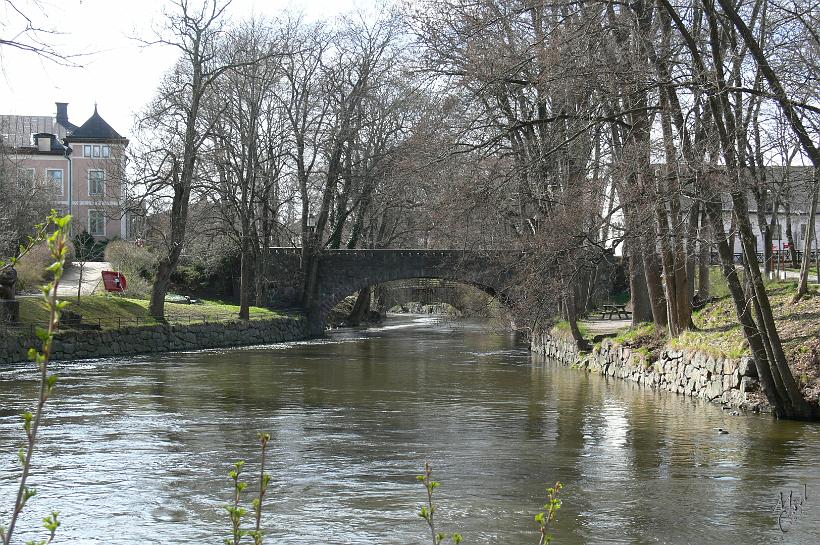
(138, 450)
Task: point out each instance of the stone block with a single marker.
(674, 354)
(713, 390)
(748, 384)
(747, 367)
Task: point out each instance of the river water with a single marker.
(137, 450)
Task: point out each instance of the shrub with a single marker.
(31, 268)
(87, 248)
(139, 265)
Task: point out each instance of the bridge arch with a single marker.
(464, 298)
(341, 273)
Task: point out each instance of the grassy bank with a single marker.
(111, 312)
(717, 331)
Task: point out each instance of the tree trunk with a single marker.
(246, 266)
(360, 308)
(572, 315)
(744, 313)
(80, 284)
(704, 261)
(654, 285)
(641, 307)
(163, 279)
(790, 239)
(803, 282)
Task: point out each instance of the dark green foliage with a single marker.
(87, 248)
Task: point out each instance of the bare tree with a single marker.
(25, 203)
(174, 123)
(242, 142)
(21, 29)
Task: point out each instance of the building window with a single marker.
(106, 152)
(25, 178)
(54, 180)
(87, 150)
(96, 182)
(96, 223)
(803, 229)
(96, 151)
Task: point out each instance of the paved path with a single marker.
(92, 278)
(603, 327)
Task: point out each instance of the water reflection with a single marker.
(138, 450)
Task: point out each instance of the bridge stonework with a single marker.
(344, 272)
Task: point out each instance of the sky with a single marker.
(118, 73)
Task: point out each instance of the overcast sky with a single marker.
(119, 74)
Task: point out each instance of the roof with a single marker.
(17, 130)
(96, 129)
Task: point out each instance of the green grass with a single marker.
(717, 282)
(644, 339)
(634, 336)
(111, 312)
(719, 333)
(562, 327)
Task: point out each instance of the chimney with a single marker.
(62, 114)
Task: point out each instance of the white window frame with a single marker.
(106, 152)
(100, 181)
(86, 150)
(50, 181)
(96, 151)
(104, 222)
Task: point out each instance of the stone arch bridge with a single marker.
(340, 273)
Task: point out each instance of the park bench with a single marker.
(610, 309)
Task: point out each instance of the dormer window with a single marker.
(43, 143)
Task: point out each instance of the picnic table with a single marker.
(611, 309)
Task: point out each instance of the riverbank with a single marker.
(711, 362)
(99, 327)
(731, 382)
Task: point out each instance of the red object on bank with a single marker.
(114, 281)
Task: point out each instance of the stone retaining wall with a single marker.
(723, 380)
(159, 338)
